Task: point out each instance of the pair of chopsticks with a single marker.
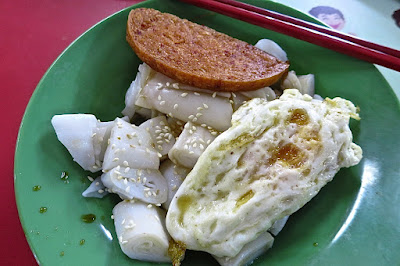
(306, 31)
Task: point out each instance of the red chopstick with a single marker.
(305, 31)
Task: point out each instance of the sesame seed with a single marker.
(108, 141)
(205, 105)
(146, 189)
(125, 163)
(233, 94)
(159, 97)
(184, 94)
(196, 93)
(127, 189)
(200, 108)
(125, 181)
(199, 114)
(186, 147)
(132, 180)
(144, 180)
(132, 146)
(203, 125)
(194, 145)
(117, 172)
(127, 170)
(117, 150)
(190, 117)
(167, 84)
(191, 131)
(115, 159)
(214, 94)
(191, 152)
(113, 146)
(158, 205)
(149, 206)
(162, 102)
(194, 119)
(90, 178)
(147, 129)
(159, 154)
(112, 217)
(173, 187)
(175, 86)
(175, 106)
(214, 133)
(100, 191)
(201, 147)
(94, 134)
(128, 136)
(119, 138)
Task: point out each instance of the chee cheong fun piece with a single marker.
(274, 159)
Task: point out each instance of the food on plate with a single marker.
(141, 232)
(249, 252)
(191, 143)
(219, 160)
(217, 61)
(274, 159)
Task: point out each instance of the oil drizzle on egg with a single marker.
(299, 117)
(183, 203)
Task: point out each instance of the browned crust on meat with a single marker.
(199, 56)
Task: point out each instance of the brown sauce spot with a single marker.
(289, 154)
(299, 117)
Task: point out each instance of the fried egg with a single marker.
(274, 159)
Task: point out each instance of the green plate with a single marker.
(354, 220)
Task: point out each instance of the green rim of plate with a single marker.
(353, 220)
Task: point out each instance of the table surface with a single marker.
(34, 33)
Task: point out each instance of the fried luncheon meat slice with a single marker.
(199, 56)
(274, 159)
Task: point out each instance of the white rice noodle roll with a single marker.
(318, 97)
(96, 189)
(185, 105)
(249, 252)
(160, 133)
(291, 81)
(147, 185)
(238, 99)
(265, 93)
(174, 174)
(130, 146)
(75, 132)
(160, 81)
(272, 48)
(307, 84)
(134, 89)
(144, 112)
(176, 126)
(278, 225)
(303, 83)
(192, 142)
(141, 231)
